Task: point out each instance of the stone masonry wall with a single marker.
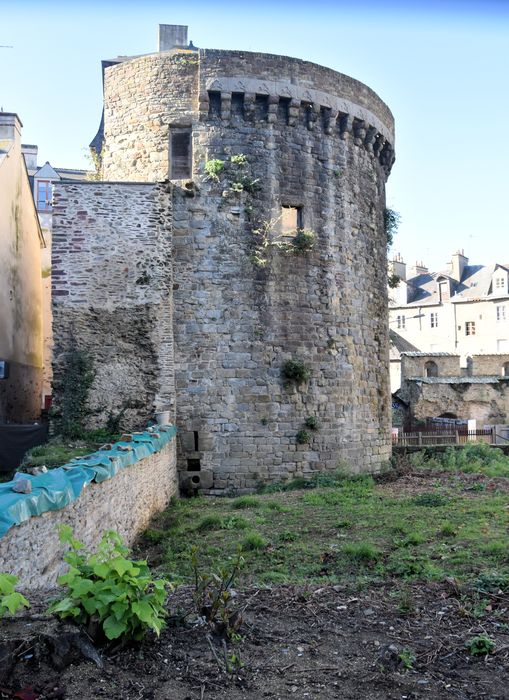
(313, 139)
(125, 503)
(112, 287)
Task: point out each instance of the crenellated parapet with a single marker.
(240, 99)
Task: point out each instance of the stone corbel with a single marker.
(312, 114)
(370, 139)
(379, 144)
(272, 109)
(293, 112)
(359, 132)
(249, 106)
(330, 123)
(345, 126)
(226, 106)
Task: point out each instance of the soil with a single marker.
(314, 642)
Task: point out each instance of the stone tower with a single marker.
(251, 148)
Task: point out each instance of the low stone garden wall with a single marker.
(137, 482)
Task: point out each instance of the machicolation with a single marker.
(187, 283)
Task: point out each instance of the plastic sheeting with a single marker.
(63, 485)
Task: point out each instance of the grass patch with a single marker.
(59, 450)
(351, 532)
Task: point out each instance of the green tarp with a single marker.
(59, 487)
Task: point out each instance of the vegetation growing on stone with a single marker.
(303, 437)
(10, 600)
(295, 371)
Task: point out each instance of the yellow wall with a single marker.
(21, 336)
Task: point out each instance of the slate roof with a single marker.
(475, 284)
(430, 354)
(398, 346)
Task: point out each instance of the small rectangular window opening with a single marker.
(193, 465)
(283, 109)
(180, 154)
(196, 441)
(291, 220)
(237, 105)
(261, 107)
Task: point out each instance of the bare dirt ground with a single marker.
(306, 642)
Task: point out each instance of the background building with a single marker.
(21, 307)
(462, 310)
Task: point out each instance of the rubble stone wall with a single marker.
(125, 503)
(112, 296)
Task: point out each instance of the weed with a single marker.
(288, 536)
(10, 600)
(214, 595)
(312, 423)
(245, 502)
(235, 522)
(492, 582)
(253, 541)
(407, 658)
(412, 539)
(429, 500)
(447, 530)
(210, 522)
(363, 552)
(213, 169)
(239, 160)
(303, 241)
(295, 371)
(303, 437)
(276, 506)
(406, 604)
(344, 524)
(480, 645)
(153, 536)
(107, 592)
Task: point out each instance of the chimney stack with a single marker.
(398, 267)
(171, 36)
(30, 154)
(10, 130)
(418, 269)
(458, 264)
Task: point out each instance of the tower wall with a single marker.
(312, 139)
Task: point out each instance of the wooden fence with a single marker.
(444, 437)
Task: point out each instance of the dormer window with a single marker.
(500, 283)
(44, 195)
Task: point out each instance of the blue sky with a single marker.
(441, 66)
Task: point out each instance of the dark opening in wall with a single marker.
(214, 103)
(196, 441)
(261, 107)
(180, 153)
(193, 465)
(325, 114)
(283, 109)
(238, 105)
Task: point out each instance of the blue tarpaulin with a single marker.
(58, 487)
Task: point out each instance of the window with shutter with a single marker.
(180, 154)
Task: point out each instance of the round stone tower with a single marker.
(277, 171)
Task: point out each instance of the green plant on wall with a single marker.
(213, 169)
(267, 238)
(303, 437)
(392, 220)
(78, 376)
(295, 371)
(10, 600)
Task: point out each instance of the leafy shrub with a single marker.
(214, 168)
(108, 593)
(303, 241)
(480, 645)
(312, 423)
(10, 600)
(296, 371)
(303, 437)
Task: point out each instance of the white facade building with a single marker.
(462, 310)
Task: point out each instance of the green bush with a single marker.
(107, 592)
(295, 370)
(312, 423)
(303, 437)
(480, 645)
(10, 600)
(303, 241)
(214, 168)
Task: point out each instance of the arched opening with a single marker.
(449, 415)
(505, 369)
(431, 369)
